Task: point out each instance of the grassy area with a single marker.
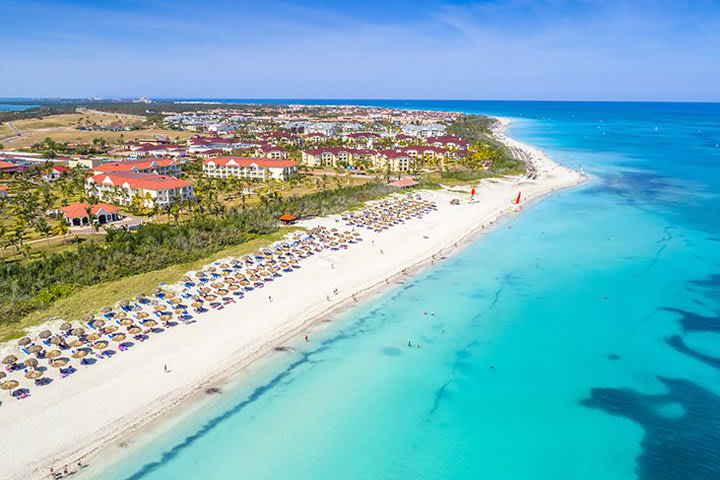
(75, 119)
(87, 136)
(92, 299)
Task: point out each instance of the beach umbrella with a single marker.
(94, 336)
(65, 326)
(2, 374)
(124, 303)
(139, 297)
(53, 354)
(110, 329)
(78, 331)
(200, 274)
(45, 334)
(34, 374)
(80, 354)
(9, 360)
(99, 323)
(155, 291)
(165, 317)
(75, 343)
(150, 323)
(60, 362)
(57, 340)
(175, 301)
(197, 304)
(119, 337)
(159, 308)
(170, 295)
(125, 322)
(9, 385)
(106, 309)
(31, 362)
(88, 317)
(35, 348)
(24, 341)
(121, 315)
(142, 315)
(134, 330)
(101, 345)
(185, 278)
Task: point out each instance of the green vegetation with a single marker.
(35, 284)
(486, 156)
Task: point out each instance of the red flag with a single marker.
(472, 192)
(517, 200)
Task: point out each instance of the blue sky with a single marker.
(456, 49)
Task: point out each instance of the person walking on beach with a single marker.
(165, 369)
(307, 339)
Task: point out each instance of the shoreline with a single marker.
(168, 398)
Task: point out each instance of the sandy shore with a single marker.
(75, 417)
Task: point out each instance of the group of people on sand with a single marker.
(65, 472)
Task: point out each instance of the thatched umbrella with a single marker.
(10, 359)
(159, 308)
(34, 374)
(2, 375)
(124, 303)
(119, 337)
(35, 348)
(53, 354)
(175, 301)
(9, 385)
(134, 330)
(142, 315)
(155, 291)
(60, 362)
(126, 321)
(88, 317)
(57, 340)
(75, 343)
(99, 323)
(169, 295)
(93, 336)
(24, 341)
(101, 345)
(200, 274)
(78, 331)
(121, 315)
(45, 334)
(139, 297)
(197, 304)
(110, 329)
(65, 326)
(80, 354)
(31, 362)
(150, 323)
(106, 309)
(185, 278)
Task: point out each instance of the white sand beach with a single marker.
(74, 417)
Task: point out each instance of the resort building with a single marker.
(53, 173)
(394, 160)
(3, 191)
(447, 141)
(271, 151)
(424, 131)
(160, 166)
(337, 157)
(152, 189)
(251, 168)
(77, 213)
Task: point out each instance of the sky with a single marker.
(660, 50)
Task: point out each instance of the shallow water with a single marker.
(578, 340)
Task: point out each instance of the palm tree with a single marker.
(61, 228)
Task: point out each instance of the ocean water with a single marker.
(579, 340)
(12, 107)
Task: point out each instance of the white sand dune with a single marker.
(76, 416)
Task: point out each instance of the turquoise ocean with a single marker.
(578, 340)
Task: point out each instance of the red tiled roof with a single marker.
(8, 165)
(145, 181)
(129, 165)
(79, 210)
(405, 182)
(249, 161)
